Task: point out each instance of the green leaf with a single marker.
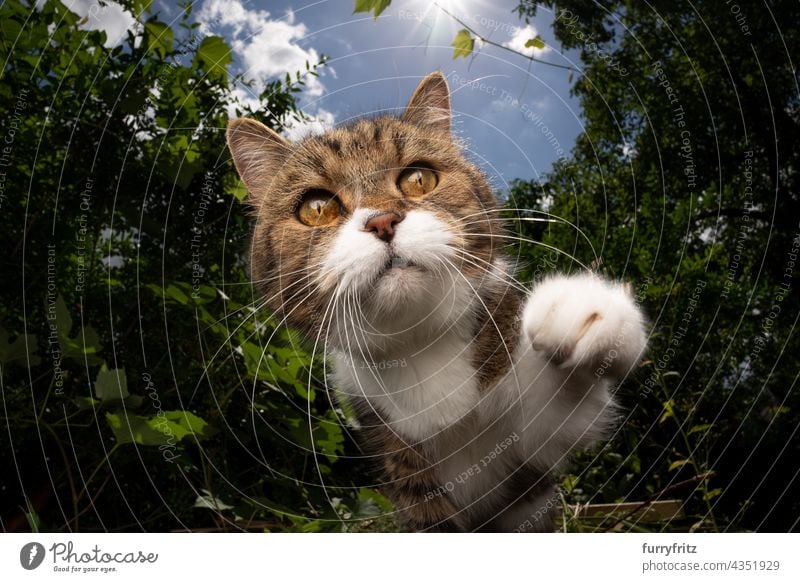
(34, 521)
(209, 501)
(159, 37)
(569, 483)
(111, 384)
(778, 410)
(373, 498)
(329, 439)
(677, 464)
(84, 346)
(86, 402)
(699, 428)
(18, 349)
(712, 494)
(10, 28)
(175, 292)
(669, 411)
(141, 6)
(214, 56)
(537, 42)
(375, 6)
(239, 192)
(163, 428)
(463, 44)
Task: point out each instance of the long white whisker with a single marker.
(467, 256)
(372, 407)
(497, 328)
(531, 241)
(553, 218)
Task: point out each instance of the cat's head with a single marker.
(383, 219)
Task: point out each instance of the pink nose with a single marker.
(383, 225)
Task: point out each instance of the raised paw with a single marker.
(585, 321)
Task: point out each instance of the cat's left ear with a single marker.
(430, 104)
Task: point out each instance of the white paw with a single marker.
(585, 321)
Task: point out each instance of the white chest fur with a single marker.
(418, 393)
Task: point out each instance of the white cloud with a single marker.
(268, 47)
(111, 18)
(319, 122)
(523, 35)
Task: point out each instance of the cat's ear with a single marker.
(258, 153)
(430, 104)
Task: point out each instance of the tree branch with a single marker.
(485, 40)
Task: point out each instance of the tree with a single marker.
(685, 181)
(141, 388)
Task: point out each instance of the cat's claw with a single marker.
(585, 321)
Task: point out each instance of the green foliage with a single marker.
(673, 184)
(463, 44)
(134, 362)
(214, 56)
(536, 42)
(374, 6)
(173, 425)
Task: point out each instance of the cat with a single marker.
(382, 243)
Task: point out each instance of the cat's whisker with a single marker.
(222, 345)
(350, 355)
(262, 302)
(491, 270)
(496, 327)
(310, 417)
(326, 324)
(258, 366)
(500, 209)
(253, 282)
(533, 242)
(284, 275)
(368, 401)
(236, 329)
(553, 218)
(253, 306)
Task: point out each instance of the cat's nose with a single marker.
(383, 225)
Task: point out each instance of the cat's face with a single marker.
(383, 219)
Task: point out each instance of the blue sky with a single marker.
(515, 117)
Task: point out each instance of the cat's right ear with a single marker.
(258, 153)
(430, 103)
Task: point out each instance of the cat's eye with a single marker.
(417, 181)
(318, 209)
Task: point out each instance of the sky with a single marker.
(514, 117)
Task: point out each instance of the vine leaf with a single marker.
(111, 384)
(537, 42)
(214, 56)
(162, 429)
(18, 349)
(85, 344)
(463, 44)
(374, 6)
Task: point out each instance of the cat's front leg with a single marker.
(585, 322)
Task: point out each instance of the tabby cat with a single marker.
(382, 242)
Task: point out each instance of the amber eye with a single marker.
(417, 181)
(318, 209)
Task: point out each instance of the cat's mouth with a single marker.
(396, 263)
